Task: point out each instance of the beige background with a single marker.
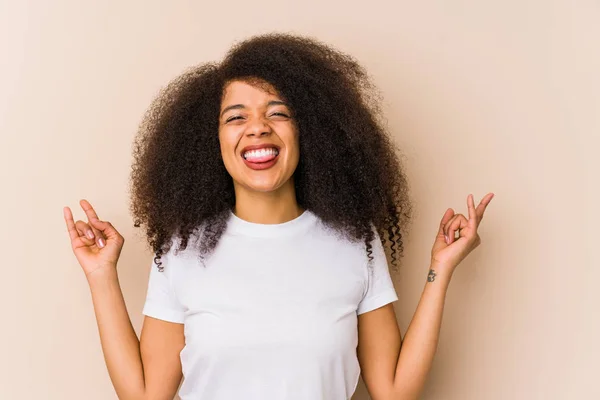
(500, 96)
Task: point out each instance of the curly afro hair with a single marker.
(349, 173)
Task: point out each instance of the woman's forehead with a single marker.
(248, 85)
(243, 93)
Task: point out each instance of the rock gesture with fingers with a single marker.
(96, 244)
(448, 251)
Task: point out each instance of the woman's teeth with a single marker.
(257, 154)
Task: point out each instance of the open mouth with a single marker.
(261, 158)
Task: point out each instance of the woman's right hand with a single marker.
(96, 244)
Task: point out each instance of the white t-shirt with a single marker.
(273, 314)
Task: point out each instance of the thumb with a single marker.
(447, 217)
(106, 228)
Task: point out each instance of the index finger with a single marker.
(483, 204)
(89, 210)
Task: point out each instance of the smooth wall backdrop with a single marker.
(500, 96)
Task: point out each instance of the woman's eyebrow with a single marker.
(232, 107)
(241, 106)
(277, 103)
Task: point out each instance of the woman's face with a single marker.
(258, 137)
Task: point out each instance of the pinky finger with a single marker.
(68, 215)
(472, 211)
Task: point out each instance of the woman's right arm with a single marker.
(146, 369)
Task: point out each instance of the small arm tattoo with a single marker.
(431, 275)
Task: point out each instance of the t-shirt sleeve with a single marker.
(161, 302)
(380, 289)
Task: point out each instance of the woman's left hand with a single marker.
(448, 251)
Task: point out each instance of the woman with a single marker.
(275, 177)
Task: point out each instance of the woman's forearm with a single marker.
(119, 342)
(421, 339)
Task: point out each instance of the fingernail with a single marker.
(101, 242)
(447, 239)
(90, 234)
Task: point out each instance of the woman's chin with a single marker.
(262, 186)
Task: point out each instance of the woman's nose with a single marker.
(258, 127)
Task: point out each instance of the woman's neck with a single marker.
(267, 207)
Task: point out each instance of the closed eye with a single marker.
(233, 118)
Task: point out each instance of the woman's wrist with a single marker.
(102, 276)
(440, 273)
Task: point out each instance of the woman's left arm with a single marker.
(395, 369)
